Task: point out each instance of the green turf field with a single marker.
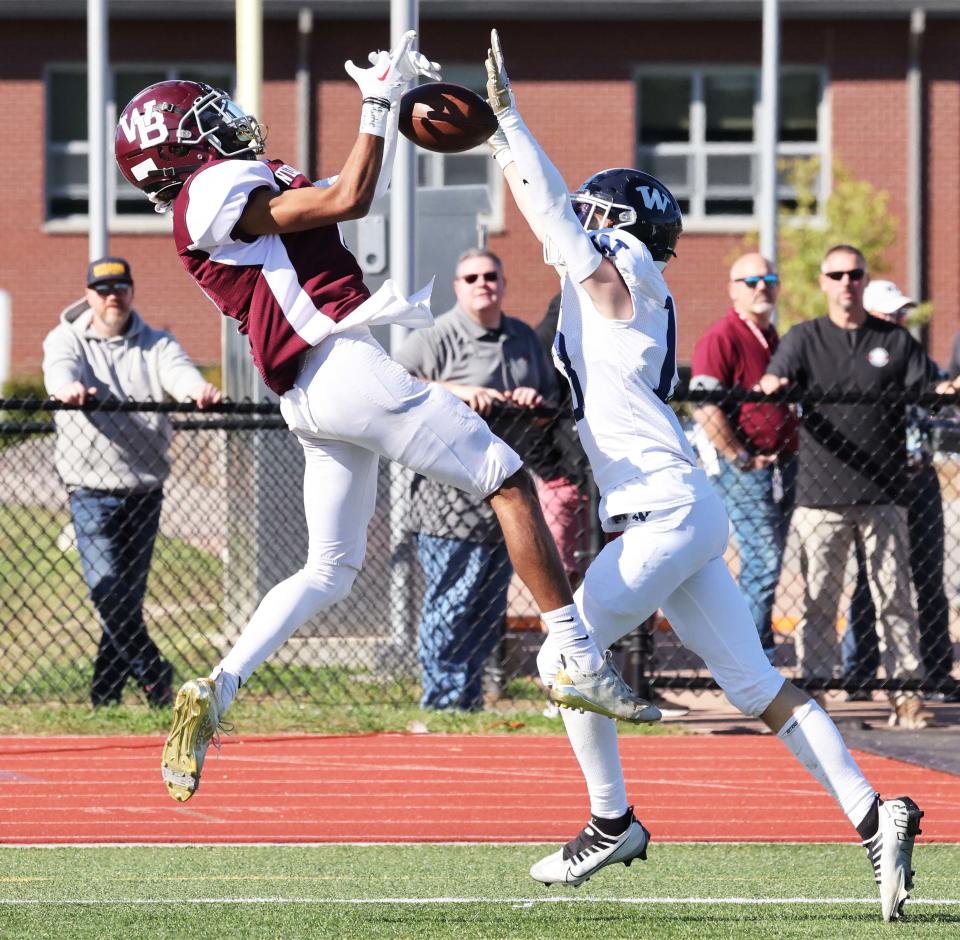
(428, 891)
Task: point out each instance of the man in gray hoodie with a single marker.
(114, 464)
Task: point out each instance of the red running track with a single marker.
(432, 788)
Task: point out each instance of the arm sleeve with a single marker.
(61, 360)
(178, 375)
(389, 152)
(218, 198)
(921, 369)
(549, 199)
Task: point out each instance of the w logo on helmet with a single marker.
(654, 198)
(149, 126)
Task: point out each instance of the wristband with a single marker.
(374, 113)
(743, 460)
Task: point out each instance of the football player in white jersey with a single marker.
(616, 343)
(263, 243)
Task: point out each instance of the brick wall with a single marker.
(585, 124)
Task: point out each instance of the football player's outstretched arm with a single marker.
(544, 200)
(356, 186)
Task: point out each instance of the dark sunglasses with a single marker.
(771, 280)
(488, 276)
(105, 289)
(855, 275)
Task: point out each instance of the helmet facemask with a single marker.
(595, 213)
(221, 123)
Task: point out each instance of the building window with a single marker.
(67, 147)
(697, 132)
(474, 167)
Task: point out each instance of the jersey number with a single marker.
(576, 391)
(669, 367)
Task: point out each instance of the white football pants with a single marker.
(673, 560)
(351, 405)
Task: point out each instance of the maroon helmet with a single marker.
(171, 129)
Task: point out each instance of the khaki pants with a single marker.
(826, 536)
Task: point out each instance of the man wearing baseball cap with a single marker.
(884, 299)
(114, 464)
(861, 655)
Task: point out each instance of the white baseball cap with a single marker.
(885, 297)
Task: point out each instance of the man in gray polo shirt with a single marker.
(496, 365)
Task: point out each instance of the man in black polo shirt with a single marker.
(853, 471)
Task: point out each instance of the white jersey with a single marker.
(621, 373)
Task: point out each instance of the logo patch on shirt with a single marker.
(878, 357)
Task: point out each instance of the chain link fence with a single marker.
(232, 526)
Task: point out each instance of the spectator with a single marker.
(853, 471)
(495, 364)
(756, 443)
(861, 655)
(561, 468)
(114, 463)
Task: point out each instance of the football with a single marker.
(445, 118)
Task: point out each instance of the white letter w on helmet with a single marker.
(653, 198)
(148, 125)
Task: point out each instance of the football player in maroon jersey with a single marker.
(262, 242)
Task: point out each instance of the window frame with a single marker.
(697, 149)
(147, 222)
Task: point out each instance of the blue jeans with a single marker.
(115, 535)
(760, 524)
(462, 619)
(861, 655)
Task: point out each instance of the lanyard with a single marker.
(757, 332)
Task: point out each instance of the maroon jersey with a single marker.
(286, 291)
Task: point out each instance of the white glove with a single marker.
(382, 83)
(415, 64)
(498, 85)
(389, 70)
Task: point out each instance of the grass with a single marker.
(287, 716)
(458, 891)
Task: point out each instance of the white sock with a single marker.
(594, 742)
(227, 684)
(572, 638)
(815, 741)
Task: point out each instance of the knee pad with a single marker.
(548, 661)
(334, 581)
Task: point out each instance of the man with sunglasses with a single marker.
(853, 472)
(495, 364)
(114, 464)
(755, 443)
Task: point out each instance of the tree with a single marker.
(855, 213)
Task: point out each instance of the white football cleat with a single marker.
(580, 859)
(603, 692)
(891, 853)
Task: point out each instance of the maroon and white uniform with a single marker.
(286, 291)
(301, 302)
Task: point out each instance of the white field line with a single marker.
(469, 843)
(514, 902)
